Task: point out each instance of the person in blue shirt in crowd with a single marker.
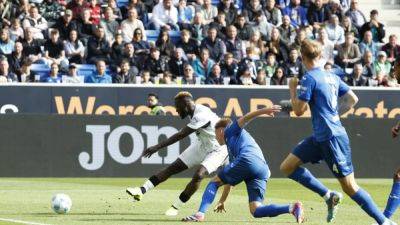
(53, 75)
(320, 91)
(100, 75)
(297, 14)
(247, 164)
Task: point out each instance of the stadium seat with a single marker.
(40, 69)
(122, 3)
(152, 35)
(175, 36)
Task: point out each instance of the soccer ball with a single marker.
(61, 203)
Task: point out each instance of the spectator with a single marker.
(25, 74)
(368, 44)
(294, 66)
(261, 78)
(109, 24)
(368, 65)
(5, 73)
(185, 14)
(297, 14)
(348, 27)
(95, 12)
(32, 47)
(146, 78)
(116, 11)
(149, 4)
(98, 47)
(22, 10)
(156, 107)
(278, 47)
(219, 24)
(252, 9)
(140, 10)
(335, 31)
(245, 77)
(198, 29)
(328, 67)
(381, 66)
(117, 48)
(189, 45)
(54, 51)
(6, 44)
(16, 58)
(6, 13)
(190, 76)
(177, 63)
(270, 66)
(129, 56)
(86, 29)
(35, 21)
(156, 64)
(53, 75)
(250, 62)
(164, 44)
(233, 44)
(129, 25)
(273, 14)
(317, 14)
(208, 11)
(229, 68)
(257, 44)
(165, 15)
(327, 47)
(228, 8)
(392, 80)
(16, 31)
(357, 79)
(167, 78)
(392, 49)
(262, 25)
(51, 10)
(301, 35)
(202, 65)
(348, 52)
(279, 77)
(74, 49)
(65, 24)
(215, 46)
(99, 76)
(215, 76)
(126, 75)
(334, 7)
(142, 47)
(377, 29)
(287, 31)
(72, 77)
(77, 7)
(244, 28)
(357, 17)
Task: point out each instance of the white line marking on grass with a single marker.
(22, 222)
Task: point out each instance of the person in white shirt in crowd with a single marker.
(36, 22)
(335, 31)
(165, 16)
(129, 25)
(327, 47)
(72, 77)
(208, 11)
(357, 17)
(74, 49)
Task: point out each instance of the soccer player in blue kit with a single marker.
(321, 91)
(247, 164)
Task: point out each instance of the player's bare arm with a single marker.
(184, 132)
(220, 207)
(251, 115)
(299, 107)
(396, 130)
(347, 101)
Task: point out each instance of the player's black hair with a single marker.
(153, 94)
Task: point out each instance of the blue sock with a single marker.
(393, 201)
(208, 196)
(304, 177)
(271, 210)
(364, 200)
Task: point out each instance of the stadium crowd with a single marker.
(247, 42)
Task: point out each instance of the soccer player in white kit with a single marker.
(206, 153)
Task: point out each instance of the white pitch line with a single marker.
(22, 222)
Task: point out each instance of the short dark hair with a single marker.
(222, 123)
(153, 95)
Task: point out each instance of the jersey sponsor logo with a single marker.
(335, 169)
(106, 140)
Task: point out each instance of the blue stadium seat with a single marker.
(122, 3)
(215, 2)
(40, 69)
(152, 35)
(175, 36)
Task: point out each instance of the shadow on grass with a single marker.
(115, 220)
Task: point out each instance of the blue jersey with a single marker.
(321, 90)
(241, 144)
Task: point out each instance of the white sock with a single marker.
(178, 203)
(327, 195)
(291, 206)
(148, 185)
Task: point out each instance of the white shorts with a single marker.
(196, 154)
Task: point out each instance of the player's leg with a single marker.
(208, 197)
(256, 189)
(176, 167)
(394, 197)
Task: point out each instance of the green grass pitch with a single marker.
(103, 201)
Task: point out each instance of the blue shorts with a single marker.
(255, 174)
(335, 152)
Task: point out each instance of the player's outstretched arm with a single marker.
(395, 130)
(220, 207)
(299, 107)
(347, 101)
(251, 115)
(184, 132)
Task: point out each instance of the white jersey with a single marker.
(202, 116)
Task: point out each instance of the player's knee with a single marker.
(286, 168)
(350, 188)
